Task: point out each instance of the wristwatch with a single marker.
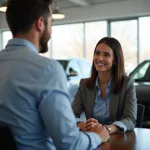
(108, 128)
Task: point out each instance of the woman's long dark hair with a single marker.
(118, 71)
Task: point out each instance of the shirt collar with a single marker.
(109, 83)
(21, 42)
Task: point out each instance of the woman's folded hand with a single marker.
(91, 123)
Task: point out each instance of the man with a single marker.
(34, 100)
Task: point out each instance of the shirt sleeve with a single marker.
(79, 120)
(59, 120)
(82, 118)
(120, 125)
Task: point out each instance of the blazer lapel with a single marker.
(113, 105)
(90, 102)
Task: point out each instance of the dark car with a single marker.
(141, 74)
(75, 69)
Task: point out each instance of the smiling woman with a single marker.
(108, 97)
(109, 55)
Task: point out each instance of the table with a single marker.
(139, 139)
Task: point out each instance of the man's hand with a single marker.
(91, 123)
(102, 132)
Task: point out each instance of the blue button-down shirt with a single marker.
(34, 101)
(101, 107)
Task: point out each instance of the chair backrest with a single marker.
(140, 114)
(7, 141)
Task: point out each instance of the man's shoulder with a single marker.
(41, 61)
(52, 66)
(52, 63)
(47, 61)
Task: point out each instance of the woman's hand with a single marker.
(91, 123)
(81, 126)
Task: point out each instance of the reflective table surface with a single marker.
(139, 139)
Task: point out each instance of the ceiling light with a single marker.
(3, 7)
(57, 14)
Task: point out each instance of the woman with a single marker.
(108, 97)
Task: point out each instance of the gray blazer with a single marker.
(122, 107)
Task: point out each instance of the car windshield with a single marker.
(142, 73)
(64, 63)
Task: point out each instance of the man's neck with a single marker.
(29, 37)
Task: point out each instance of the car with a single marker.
(141, 74)
(75, 69)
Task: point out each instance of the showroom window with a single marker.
(67, 41)
(126, 32)
(144, 38)
(6, 36)
(94, 31)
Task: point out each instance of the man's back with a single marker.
(23, 78)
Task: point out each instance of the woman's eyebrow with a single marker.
(103, 51)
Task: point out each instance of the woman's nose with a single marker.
(100, 57)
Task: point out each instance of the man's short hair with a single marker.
(21, 14)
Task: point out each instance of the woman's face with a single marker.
(103, 58)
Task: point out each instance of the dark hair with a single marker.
(118, 71)
(21, 14)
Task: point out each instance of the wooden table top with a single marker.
(139, 139)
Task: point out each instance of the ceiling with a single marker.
(64, 4)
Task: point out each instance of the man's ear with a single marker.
(39, 23)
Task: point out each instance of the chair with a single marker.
(7, 141)
(140, 114)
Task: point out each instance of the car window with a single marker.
(143, 73)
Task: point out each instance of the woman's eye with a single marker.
(97, 52)
(107, 55)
